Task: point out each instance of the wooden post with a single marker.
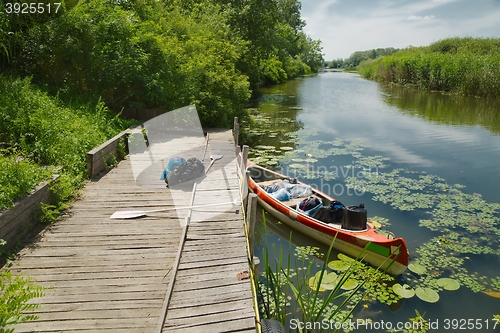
(236, 134)
(244, 187)
(244, 158)
(251, 217)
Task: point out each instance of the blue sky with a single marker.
(346, 26)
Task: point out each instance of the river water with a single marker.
(426, 165)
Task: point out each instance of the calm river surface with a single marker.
(426, 165)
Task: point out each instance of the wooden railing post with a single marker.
(251, 218)
(236, 134)
(244, 158)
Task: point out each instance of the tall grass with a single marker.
(467, 66)
(18, 177)
(44, 131)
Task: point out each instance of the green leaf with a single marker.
(404, 291)
(417, 268)
(448, 283)
(339, 265)
(349, 284)
(427, 295)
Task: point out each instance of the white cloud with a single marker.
(345, 27)
(418, 18)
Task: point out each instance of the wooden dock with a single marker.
(142, 275)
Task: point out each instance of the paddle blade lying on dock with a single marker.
(132, 214)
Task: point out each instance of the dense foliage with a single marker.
(42, 132)
(468, 66)
(359, 56)
(151, 54)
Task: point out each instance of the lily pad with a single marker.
(286, 148)
(339, 265)
(349, 284)
(427, 295)
(417, 268)
(313, 284)
(297, 166)
(448, 283)
(264, 147)
(404, 291)
(345, 257)
(328, 282)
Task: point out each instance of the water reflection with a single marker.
(453, 139)
(445, 109)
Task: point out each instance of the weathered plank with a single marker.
(112, 275)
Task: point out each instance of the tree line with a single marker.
(359, 56)
(160, 54)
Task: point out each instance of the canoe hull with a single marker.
(376, 249)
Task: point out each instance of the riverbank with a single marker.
(465, 66)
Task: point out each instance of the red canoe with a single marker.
(381, 251)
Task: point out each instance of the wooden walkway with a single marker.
(114, 275)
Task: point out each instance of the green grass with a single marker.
(18, 177)
(41, 133)
(467, 66)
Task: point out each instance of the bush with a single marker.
(142, 57)
(15, 294)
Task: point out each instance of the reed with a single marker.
(466, 66)
(294, 289)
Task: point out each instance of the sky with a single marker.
(346, 26)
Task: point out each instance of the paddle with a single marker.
(213, 158)
(130, 214)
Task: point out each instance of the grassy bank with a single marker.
(467, 66)
(39, 133)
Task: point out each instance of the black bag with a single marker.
(309, 205)
(184, 172)
(356, 218)
(334, 213)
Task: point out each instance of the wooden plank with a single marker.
(112, 275)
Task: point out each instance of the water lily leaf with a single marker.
(297, 166)
(329, 281)
(328, 277)
(404, 291)
(286, 148)
(313, 284)
(427, 295)
(349, 284)
(417, 268)
(492, 293)
(264, 147)
(448, 283)
(311, 160)
(339, 265)
(344, 257)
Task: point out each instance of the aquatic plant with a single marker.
(464, 224)
(299, 287)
